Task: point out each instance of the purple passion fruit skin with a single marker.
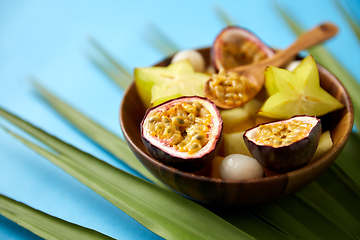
(163, 148)
(285, 157)
(236, 46)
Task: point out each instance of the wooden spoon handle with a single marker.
(311, 38)
(315, 36)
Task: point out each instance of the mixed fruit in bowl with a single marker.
(231, 135)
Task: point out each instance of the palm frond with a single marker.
(162, 211)
(159, 40)
(44, 225)
(224, 17)
(111, 67)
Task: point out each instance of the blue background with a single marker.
(48, 40)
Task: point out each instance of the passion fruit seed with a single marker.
(184, 126)
(230, 88)
(281, 134)
(240, 52)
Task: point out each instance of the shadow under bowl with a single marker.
(244, 193)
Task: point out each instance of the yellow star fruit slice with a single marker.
(296, 93)
(159, 84)
(146, 77)
(270, 83)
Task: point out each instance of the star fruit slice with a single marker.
(159, 84)
(296, 93)
(146, 77)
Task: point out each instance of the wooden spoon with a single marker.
(255, 72)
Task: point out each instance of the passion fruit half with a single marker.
(185, 133)
(236, 46)
(286, 145)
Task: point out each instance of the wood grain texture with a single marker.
(247, 192)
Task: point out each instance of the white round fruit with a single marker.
(293, 65)
(240, 167)
(195, 58)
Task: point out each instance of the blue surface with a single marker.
(48, 40)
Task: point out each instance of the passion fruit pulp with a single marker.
(228, 89)
(285, 145)
(184, 133)
(236, 46)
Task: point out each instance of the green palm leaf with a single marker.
(111, 67)
(224, 17)
(97, 133)
(44, 225)
(348, 161)
(316, 196)
(341, 192)
(255, 226)
(315, 220)
(355, 27)
(163, 212)
(159, 40)
(284, 221)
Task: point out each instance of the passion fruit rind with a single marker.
(171, 151)
(291, 154)
(235, 46)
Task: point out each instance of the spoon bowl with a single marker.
(254, 73)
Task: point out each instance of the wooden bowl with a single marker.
(244, 193)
